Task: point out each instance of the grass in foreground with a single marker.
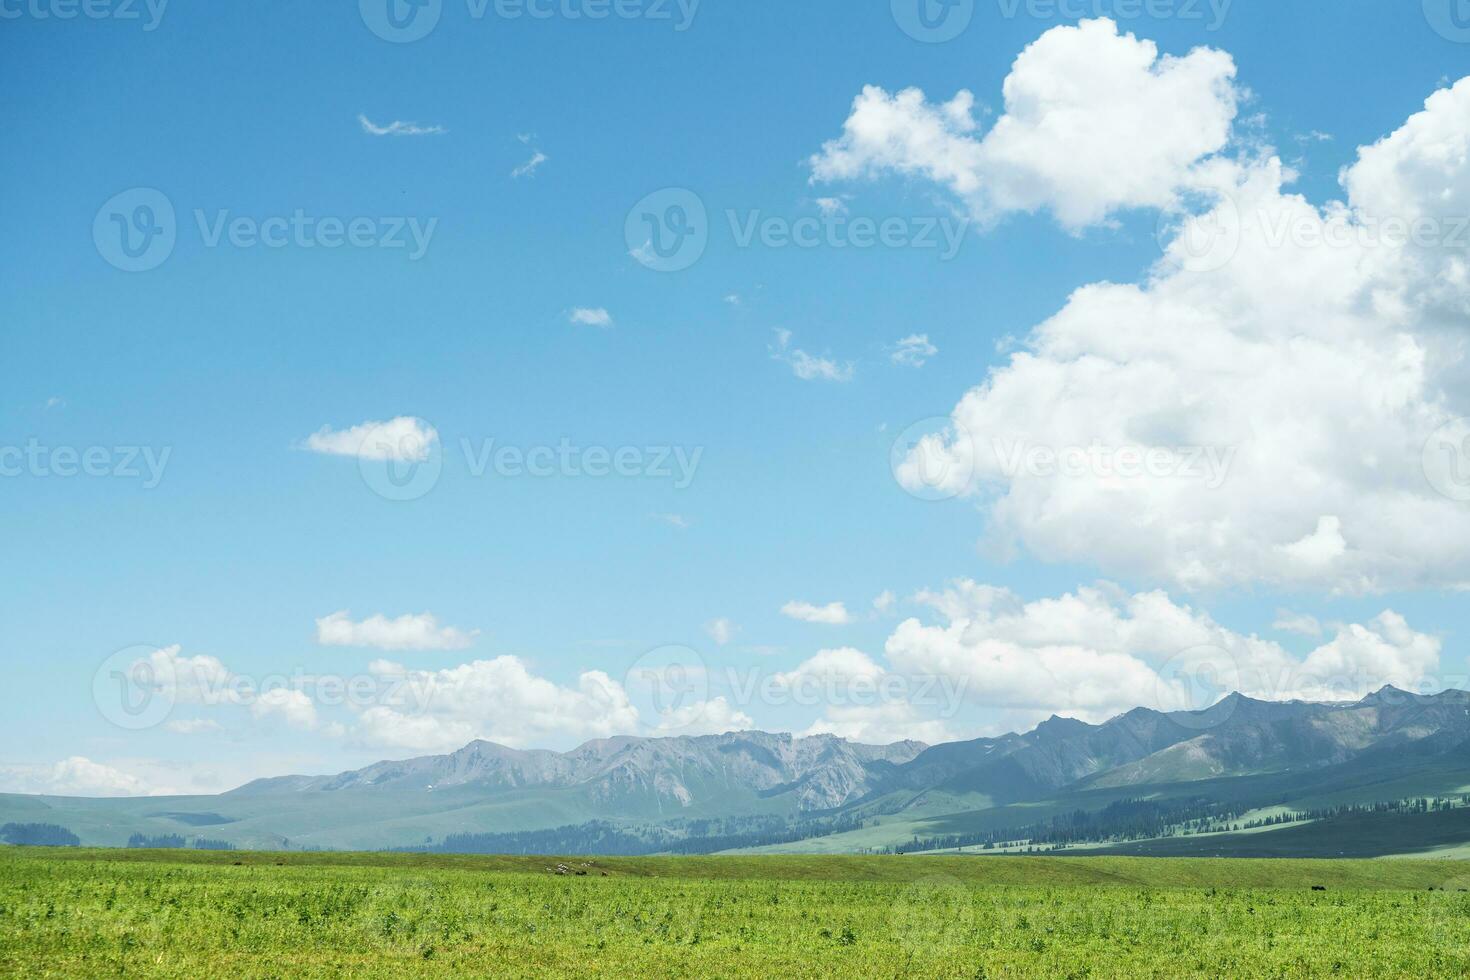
(105, 913)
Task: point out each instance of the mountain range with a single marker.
(1243, 776)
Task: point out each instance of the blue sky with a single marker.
(230, 358)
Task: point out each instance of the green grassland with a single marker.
(73, 912)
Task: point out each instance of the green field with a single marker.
(163, 913)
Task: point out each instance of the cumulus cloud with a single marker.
(808, 367)
(832, 667)
(1099, 651)
(291, 707)
(591, 316)
(1263, 406)
(715, 716)
(75, 776)
(881, 724)
(832, 614)
(408, 632)
(403, 439)
(1095, 122)
(913, 351)
(397, 128)
(867, 702)
(498, 700)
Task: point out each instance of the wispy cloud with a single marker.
(808, 367)
(913, 351)
(591, 316)
(678, 521)
(529, 168)
(398, 128)
(1300, 623)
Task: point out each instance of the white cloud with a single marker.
(499, 700)
(832, 614)
(591, 316)
(881, 724)
(192, 726)
(403, 439)
(200, 679)
(831, 206)
(407, 632)
(529, 168)
(676, 521)
(1297, 345)
(721, 630)
(75, 776)
(1095, 122)
(913, 351)
(713, 717)
(830, 668)
(398, 128)
(54, 402)
(1099, 651)
(885, 602)
(1299, 623)
(294, 708)
(806, 366)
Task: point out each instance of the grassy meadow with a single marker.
(73, 912)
